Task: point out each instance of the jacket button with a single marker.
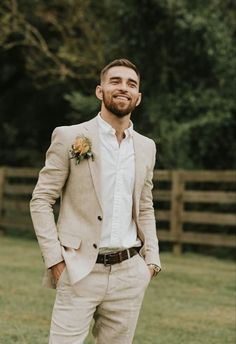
(99, 218)
(95, 245)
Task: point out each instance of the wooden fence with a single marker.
(200, 207)
(192, 207)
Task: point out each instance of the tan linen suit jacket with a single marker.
(76, 235)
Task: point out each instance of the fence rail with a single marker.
(203, 198)
(192, 207)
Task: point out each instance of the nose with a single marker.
(123, 86)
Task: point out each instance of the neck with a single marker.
(119, 124)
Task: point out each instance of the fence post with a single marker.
(2, 181)
(176, 225)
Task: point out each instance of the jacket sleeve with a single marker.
(147, 220)
(51, 180)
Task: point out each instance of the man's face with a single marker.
(119, 91)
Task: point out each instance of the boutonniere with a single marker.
(81, 149)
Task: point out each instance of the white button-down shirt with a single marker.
(117, 185)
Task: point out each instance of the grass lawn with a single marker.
(191, 302)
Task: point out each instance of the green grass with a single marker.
(191, 302)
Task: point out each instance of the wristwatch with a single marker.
(155, 268)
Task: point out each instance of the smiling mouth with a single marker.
(122, 97)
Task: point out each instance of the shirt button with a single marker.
(99, 218)
(95, 245)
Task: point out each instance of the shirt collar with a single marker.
(106, 128)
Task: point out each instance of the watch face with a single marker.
(157, 269)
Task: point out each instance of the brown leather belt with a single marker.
(117, 257)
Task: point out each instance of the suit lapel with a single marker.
(95, 165)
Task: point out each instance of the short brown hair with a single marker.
(118, 63)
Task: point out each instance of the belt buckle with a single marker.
(105, 260)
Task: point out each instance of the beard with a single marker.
(119, 109)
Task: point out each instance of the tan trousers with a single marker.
(111, 295)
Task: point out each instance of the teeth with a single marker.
(123, 98)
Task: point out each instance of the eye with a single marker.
(114, 81)
(132, 85)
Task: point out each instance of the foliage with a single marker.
(46, 50)
(83, 106)
(187, 57)
(195, 129)
(184, 49)
(59, 40)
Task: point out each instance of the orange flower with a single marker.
(82, 145)
(81, 149)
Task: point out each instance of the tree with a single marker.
(187, 57)
(47, 50)
(59, 39)
(183, 48)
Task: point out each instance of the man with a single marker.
(103, 250)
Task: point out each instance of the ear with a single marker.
(98, 92)
(139, 99)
